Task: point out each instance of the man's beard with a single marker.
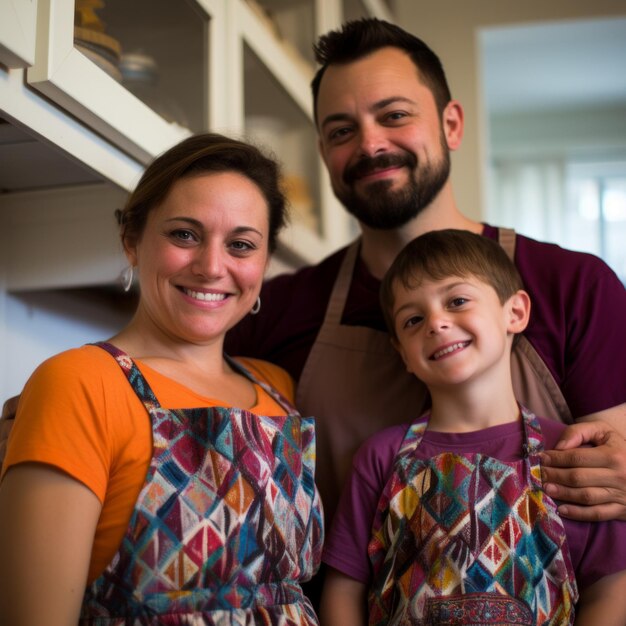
(383, 208)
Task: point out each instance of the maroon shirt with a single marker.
(577, 322)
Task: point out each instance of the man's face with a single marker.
(381, 138)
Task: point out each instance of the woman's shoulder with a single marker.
(83, 363)
(87, 354)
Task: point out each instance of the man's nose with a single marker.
(372, 140)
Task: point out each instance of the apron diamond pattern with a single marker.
(227, 525)
(469, 539)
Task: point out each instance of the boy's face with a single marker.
(456, 330)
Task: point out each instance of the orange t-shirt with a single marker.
(79, 414)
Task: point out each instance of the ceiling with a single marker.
(574, 64)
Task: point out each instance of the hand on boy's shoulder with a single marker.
(590, 482)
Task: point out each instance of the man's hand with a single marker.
(6, 422)
(590, 481)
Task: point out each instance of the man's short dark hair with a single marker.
(359, 38)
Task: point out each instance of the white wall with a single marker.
(53, 243)
(40, 324)
(451, 28)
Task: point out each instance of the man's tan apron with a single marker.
(355, 384)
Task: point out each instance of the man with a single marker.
(386, 123)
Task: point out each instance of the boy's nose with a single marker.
(437, 323)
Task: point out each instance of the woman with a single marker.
(172, 483)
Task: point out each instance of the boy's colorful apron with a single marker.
(226, 526)
(468, 539)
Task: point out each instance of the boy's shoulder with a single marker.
(377, 453)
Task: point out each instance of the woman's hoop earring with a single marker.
(127, 278)
(257, 306)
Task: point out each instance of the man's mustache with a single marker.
(367, 165)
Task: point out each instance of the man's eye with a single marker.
(339, 133)
(396, 115)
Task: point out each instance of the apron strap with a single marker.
(135, 377)
(506, 239)
(532, 380)
(339, 294)
(273, 393)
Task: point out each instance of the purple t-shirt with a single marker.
(576, 323)
(597, 549)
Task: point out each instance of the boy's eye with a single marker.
(413, 321)
(460, 301)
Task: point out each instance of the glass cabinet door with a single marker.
(293, 22)
(135, 71)
(276, 121)
(157, 49)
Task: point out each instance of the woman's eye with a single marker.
(183, 235)
(242, 246)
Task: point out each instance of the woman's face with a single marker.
(202, 257)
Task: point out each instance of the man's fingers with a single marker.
(599, 513)
(578, 478)
(598, 492)
(603, 456)
(595, 432)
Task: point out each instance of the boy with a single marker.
(444, 521)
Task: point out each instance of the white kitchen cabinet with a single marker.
(241, 67)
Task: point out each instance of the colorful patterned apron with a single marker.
(226, 525)
(468, 539)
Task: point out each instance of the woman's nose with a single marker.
(209, 261)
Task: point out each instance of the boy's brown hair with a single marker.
(440, 254)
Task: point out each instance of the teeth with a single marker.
(205, 297)
(452, 348)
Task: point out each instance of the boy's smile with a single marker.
(449, 349)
